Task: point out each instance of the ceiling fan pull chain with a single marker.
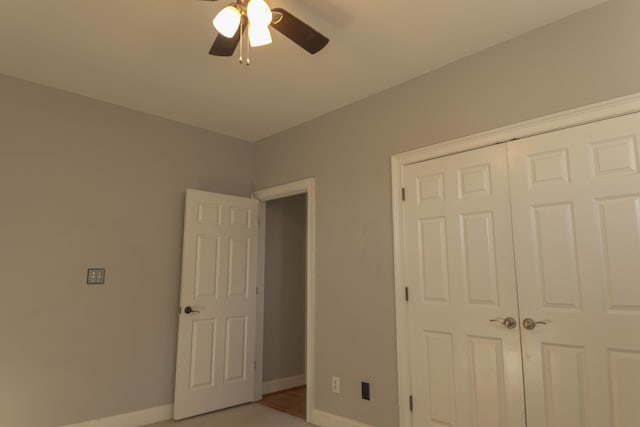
(241, 41)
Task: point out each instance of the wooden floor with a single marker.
(292, 401)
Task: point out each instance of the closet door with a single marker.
(465, 369)
(576, 216)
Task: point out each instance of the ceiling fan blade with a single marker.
(299, 32)
(225, 46)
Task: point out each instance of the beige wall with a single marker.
(586, 58)
(87, 184)
(285, 288)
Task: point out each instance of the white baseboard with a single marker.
(283, 384)
(163, 413)
(325, 419)
(131, 419)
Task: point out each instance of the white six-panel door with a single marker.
(574, 196)
(466, 370)
(216, 340)
(576, 217)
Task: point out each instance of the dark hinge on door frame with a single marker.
(411, 403)
(403, 194)
(406, 293)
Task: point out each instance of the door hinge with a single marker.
(403, 194)
(257, 290)
(406, 293)
(411, 403)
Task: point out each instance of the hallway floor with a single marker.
(292, 401)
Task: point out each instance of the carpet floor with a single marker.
(249, 415)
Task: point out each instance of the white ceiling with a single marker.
(152, 55)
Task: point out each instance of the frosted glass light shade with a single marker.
(259, 13)
(259, 35)
(227, 21)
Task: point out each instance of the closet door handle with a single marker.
(508, 322)
(530, 324)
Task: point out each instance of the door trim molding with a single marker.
(553, 122)
(308, 187)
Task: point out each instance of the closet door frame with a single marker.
(575, 117)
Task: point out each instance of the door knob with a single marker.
(508, 322)
(189, 310)
(530, 324)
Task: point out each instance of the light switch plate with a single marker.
(95, 276)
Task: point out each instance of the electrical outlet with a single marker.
(335, 384)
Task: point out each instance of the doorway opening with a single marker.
(284, 318)
(286, 299)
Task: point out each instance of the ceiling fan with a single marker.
(256, 16)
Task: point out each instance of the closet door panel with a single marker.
(575, 199)
(466, 370)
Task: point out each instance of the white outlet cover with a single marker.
(335, 384)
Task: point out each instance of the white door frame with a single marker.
(308, 187)
(575, 117)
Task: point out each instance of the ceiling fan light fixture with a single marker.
(259, 13)
(227, 21)
(259, 35)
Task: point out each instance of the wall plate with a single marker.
(366, 391)
(95, 276)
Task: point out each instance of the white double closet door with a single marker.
(546, 229)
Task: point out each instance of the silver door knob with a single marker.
(530, 324)
(508, 322)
